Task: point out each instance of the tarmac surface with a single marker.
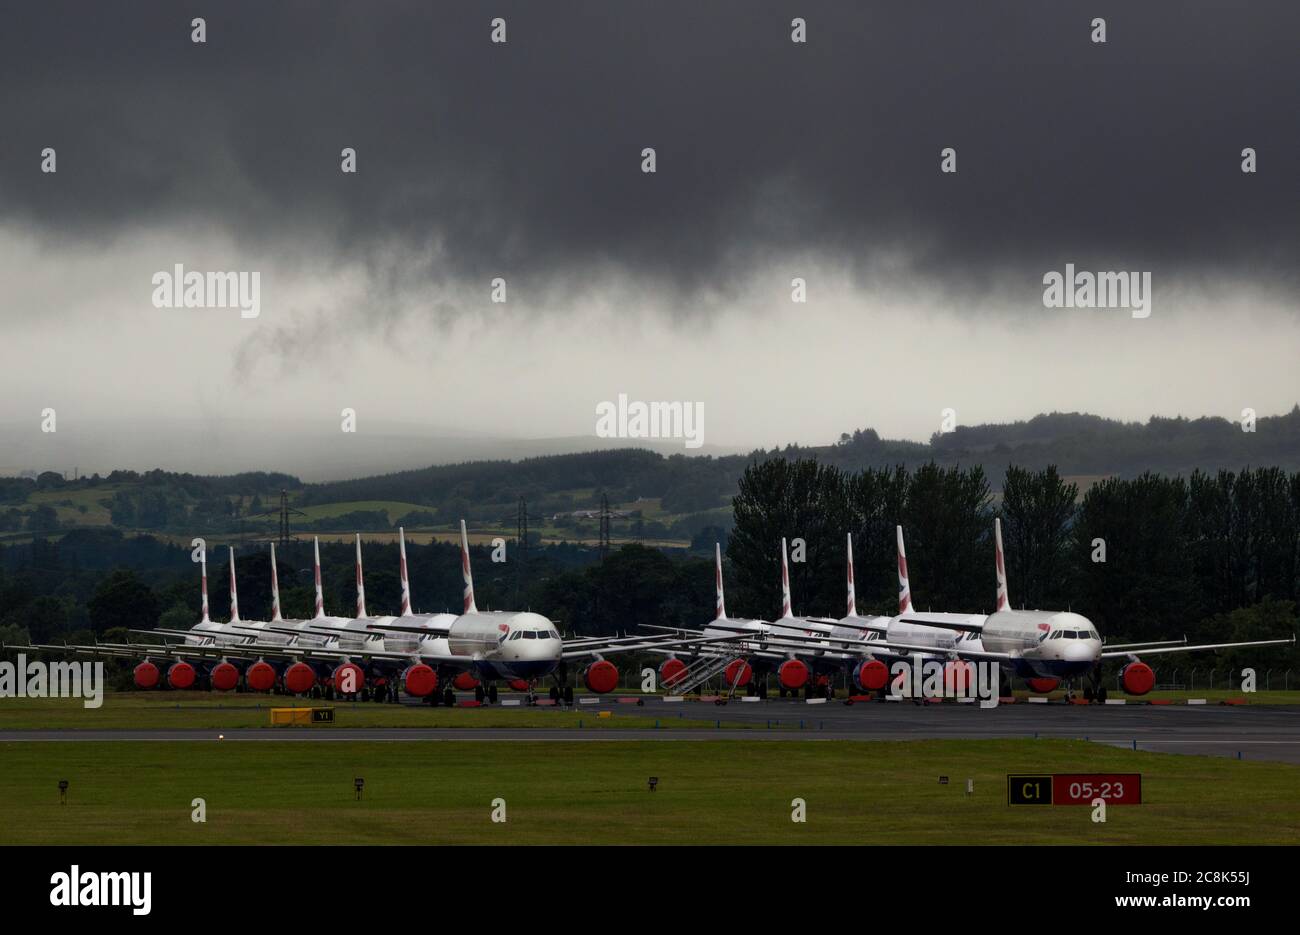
(1250, 732)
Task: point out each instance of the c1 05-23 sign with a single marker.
(1075, 789)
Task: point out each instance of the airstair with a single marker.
(698, 672)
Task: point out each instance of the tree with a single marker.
(793, 500)
(43, 519)
(123, 600)
(1037, 512)
(948, 526)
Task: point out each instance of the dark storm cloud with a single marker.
(523, 159)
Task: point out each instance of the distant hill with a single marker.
(670, 497)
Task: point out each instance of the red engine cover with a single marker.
(959, 677)
(1042, 685)
(260, 677)
(792, 674)
(299, 678)
(420, 681)
(600, 677)
(181, 675)
(224, 677)
(738, 673)
(518, 685)
(871, 675)
(1138, 678)
(464, 682)
(146, 675)
(671, 672)
(349, 679)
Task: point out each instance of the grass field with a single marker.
(185, 710)
(591, 793)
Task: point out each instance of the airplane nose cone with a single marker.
(1078, 651)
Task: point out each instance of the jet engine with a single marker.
(223, 677)
(419, 680)
(792, 674)
(738, 673)
(299, 678)
(181, 675)
(870, 675)
(600, 677)
(1137, 678)
(146, 675)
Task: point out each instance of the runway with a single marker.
(1248, 732)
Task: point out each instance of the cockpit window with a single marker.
(517, 634)
(529, 635)
(543, 634)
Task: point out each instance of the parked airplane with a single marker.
(863, 644)
(1046, 646)
(519, 647)
(802, 649)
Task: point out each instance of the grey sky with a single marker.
(522, 161)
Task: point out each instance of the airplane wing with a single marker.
(1190, 649)
(1134, 646)
(881, 647)
(963, 627)
(398, 628)
(647, 644)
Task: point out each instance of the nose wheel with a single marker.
(1096, 690)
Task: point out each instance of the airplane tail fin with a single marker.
(469, 607)
(904, 586)
(406, 585)
(320, 595)
(234, 592)
(785, 584)
(275, 588)
(1004, 598)
(852, 604)
(721, 613)
(361, 586)
(203, 570)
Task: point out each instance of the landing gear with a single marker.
(562, 689)
(492, 693)
(479, 694)
(449, 698)
(762, 690)
(1097, 688)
